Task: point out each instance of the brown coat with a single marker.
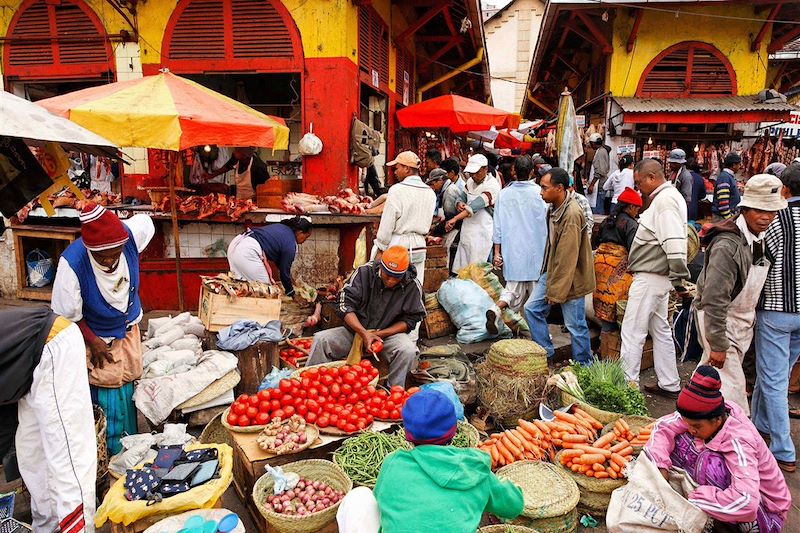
(568, 256)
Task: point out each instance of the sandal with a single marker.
(794, 412)
(787, 466)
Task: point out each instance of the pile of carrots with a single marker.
(641, 438)
(538, 440)
(598, 459)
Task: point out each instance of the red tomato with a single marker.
(370, 418)
(334, 418)
(311, 418)
(365, 363)
(394, 415)
(244, 421)
(364, 380)
(337, 408)
(313, 373)
(289, 410)
(280, 413)
(285, 385)
(363, 394)
(313, 406)
(243, 398)
(376, 401)
(239, 408)
(383, 413)
(253, 401)
(264, 407)
(297, 401)
(349, 428)
(336, 390)
(389, 405)
(382, 394)
(312, 393)
(263, 395)
(286, 399)
(233, 419)
(302, 410)
(252, 412)
(352, 397)
(326, 380)
(396, 396)
(376, 346)
(352, 418)
(274, 405)
(275, 394)
(323, 421)
(262, 419)
(305, 383)
(342, 370)
(341, 424)
(347, 388)
(350, 377)
(397, 388)
(324, 391)
(361, 423)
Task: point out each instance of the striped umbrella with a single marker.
(168, 112)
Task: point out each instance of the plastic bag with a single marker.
(275, 376)
(310, 144)
(283, 480)
(40, 268)
(466, 303)
(483, 275)
(648, 503)
(447, 389)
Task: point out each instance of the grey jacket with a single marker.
(727, 263)
(378, 307)
(683, 182)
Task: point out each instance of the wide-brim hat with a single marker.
(764, 192)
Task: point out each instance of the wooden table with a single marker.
(53, 239)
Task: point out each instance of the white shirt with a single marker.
(407, 215)
(618, 181)
(749, 236)
(114, 287)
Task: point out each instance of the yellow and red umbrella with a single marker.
(168, 112)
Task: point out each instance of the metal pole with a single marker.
(171, 169)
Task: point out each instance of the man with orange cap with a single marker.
(381, 303)
(97, 287)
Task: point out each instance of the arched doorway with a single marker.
(688, 70)
(57, 40)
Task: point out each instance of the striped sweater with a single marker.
(659, 246)
(782, 288)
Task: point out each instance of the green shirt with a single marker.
(441, 489)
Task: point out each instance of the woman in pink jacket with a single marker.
(740, 484)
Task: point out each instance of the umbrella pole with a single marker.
(176, 238)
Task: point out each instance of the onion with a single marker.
(326, 501)
(278, 442)
(277, 507)
(304, 498)
(328, 491)
(316, 485)
(302, 439)
(301, 484)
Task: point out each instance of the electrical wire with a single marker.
(678, 12)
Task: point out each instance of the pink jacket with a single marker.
(755, 476)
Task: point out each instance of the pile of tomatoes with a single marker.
(295, 354)
(340, 398)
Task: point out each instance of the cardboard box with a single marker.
(218, 311)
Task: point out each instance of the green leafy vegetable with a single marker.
(604, 386)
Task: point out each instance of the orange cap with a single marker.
(395, 260)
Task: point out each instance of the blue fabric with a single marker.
(103, 319)
(245, 333)
(280, 246)
(536, 311)
(777, 339)
(520, 222)
(428, 415)
(466, 303)
(600, 204)
(726, 177)
(446, 388)
(117, 404)
(698, 193)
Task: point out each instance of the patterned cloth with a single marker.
(117, 404)
(612, 280)
(782, 288)
(707, 467)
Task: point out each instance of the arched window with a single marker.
(688, 69)
(231, 35)
(56, 40)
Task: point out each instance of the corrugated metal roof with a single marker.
(684, 105)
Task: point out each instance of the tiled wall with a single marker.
(317, 259)
(129, 67)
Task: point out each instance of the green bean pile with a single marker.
(361, 456)
(461, 440)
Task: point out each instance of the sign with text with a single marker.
(790, 128)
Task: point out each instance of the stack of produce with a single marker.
(633, 429)
(296, 354)
(226, 284)
(286, 436)
(305, 498)
(550, 496)
(512, 380)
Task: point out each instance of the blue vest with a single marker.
(103, 319)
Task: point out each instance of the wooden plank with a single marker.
(218, 311)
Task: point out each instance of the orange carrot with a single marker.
(608, 438)
(589, 418)
(612, 473)
(624, 424)
(599, 451)
(601, 475)
(513, 438)
(575, 438)
(542, 427)
(525, 433)
(566, 417)
(614, 466)
(590, 473)
(621, 446)
(597, 467)
(504, 452)
(626, 451)
(511, 447)
(558, 442)
(575, 468)
(618, 460)
(591, 458)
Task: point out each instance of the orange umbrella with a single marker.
(456, 113)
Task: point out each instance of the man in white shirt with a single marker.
(97, 287)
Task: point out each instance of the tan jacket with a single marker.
(568, 256)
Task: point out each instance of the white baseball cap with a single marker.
(475, 163)
(595, 138)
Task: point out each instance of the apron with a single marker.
(244, 187)
(476, 237)
(236, 242)
(739, 330)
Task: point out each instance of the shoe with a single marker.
(787, 466)
(655, 389)
(492, 318)
(766, 436)
(794, 412)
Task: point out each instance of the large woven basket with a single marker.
(590, 484)
(473, 435)
(314, 470)
(506, 528)
(604, 417)
(100, 429)
(566, 523)
(240, 429)
(635, 422)
(215, 432)
(332, 364)
(547, 490)
(518, 357)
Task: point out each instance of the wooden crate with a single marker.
(271, 193)
(255, 362)
(436, 271)
(436, 324)
(218, 311)
(611, 344)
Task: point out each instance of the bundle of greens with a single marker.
(604, 386)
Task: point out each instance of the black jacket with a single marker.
(619, 228)
(378, 307)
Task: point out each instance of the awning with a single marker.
(727, 109)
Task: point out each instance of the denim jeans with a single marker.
(600, 205)
(777, 341)
(536, 310)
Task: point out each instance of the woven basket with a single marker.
(506, 528)
(240, 429)
(332, 364)
(215, 432)
(590, 484)
(473, 435)
(100, 427)
(561, 494)
(213, 391)
(314, 470)
(594, 504)
(566, 523)
(518, 357)
(509, 398)
(604, 417)
(635, 422)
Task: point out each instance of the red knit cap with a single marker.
(629, 196)
(101, 229)
(701, 397)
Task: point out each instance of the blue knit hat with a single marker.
(429, 418)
